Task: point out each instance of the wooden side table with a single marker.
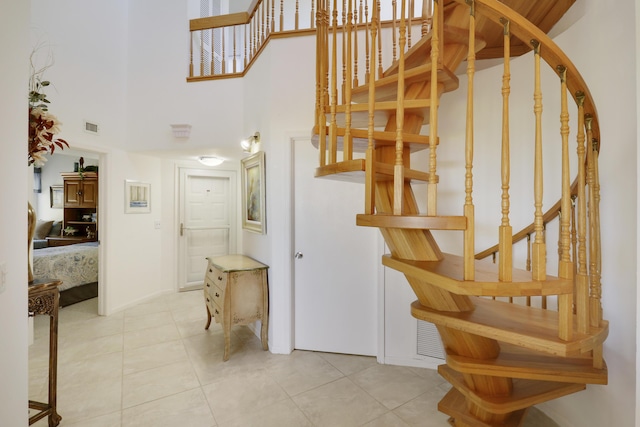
(44, 298)
(236, 292)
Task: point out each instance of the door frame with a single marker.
(234, 234)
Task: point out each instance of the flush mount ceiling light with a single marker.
(250, 144)
(210, 160)
(181, 130)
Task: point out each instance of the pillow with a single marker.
(56, 229)
(42, 229)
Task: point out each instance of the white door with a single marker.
(335, 263)
(207, 223)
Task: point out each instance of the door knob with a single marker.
(298, 255)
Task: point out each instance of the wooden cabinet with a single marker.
(236, 293)
(80, 205)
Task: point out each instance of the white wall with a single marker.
(14, 50)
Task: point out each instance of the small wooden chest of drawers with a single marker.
(236, 293)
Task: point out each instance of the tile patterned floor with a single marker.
(155, 365)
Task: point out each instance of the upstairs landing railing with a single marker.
(337, 114)
(225, 46)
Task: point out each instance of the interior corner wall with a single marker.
(14, 50)
(279, 103)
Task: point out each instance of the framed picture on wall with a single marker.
(137, 197)
(253, 194)
(56, 196)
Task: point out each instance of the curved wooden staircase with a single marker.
(513, 337)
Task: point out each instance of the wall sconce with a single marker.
(251, 144)
(210, 160)
(181, 130)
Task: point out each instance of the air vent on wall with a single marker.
(91, 127)
(429, 343)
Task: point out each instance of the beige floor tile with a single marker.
(153, 356)
(152, 335)
(387, 420)
(349, 364)
(280, 414)
(166, 370)
(242, 394)
(391, 385)
(302, 371)
(151, 384)
(339, 404)
(186, 409)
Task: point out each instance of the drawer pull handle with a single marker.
(210, 271)
(217, 295)
(220, 278)
(217, 312)
(208, 285)
(208, 300)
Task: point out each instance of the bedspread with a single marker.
(74, 265)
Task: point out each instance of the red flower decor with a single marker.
(42, 128)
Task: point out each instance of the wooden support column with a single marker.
(539, 250)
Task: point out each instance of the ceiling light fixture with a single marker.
(251, 144)
(210, 160)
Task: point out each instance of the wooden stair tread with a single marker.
(525, 394)
(448, 274)
(515, 362)
(522, 326)
(353, 171)
(386, 88)
(360, 140)
(421, 50)
(454, 404)
(412, 221)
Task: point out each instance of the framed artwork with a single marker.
(56, 196)
(253, 193)
(137, 197)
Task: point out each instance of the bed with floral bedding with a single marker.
(75, 265)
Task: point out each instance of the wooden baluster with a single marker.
(528, 264)
(427, 17)
(370, 171)
(312, 5)
(344, 50)
(262, 25)
(297, 14)
(191, 54)
(582, 278)
(355, 46)
(398, 170)
(565, 266)
(596, 290)
(505, 244)
(595, 307)
(432, 208)
(267, 12)
(234, 28)
(347, 144)
(273, 16)
(366, 43)
(409, 17)
(380, 72)
(282, 15)
(469, 211)
(393, 30)
(224, 56)
(202, 52)
(360, 12)
(246, 45)
(321, 70)
(539, 246)
(333, 131)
